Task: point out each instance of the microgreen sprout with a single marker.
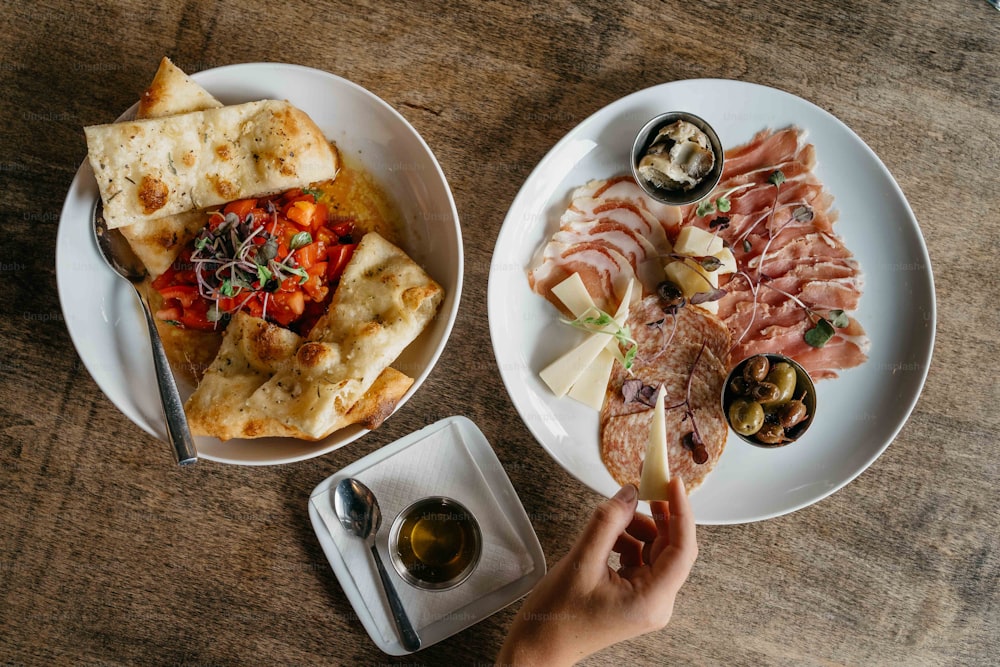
(239, 257)
(720, 204)
(595, 320)
(824, 328)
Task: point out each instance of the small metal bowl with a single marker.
(644, 140)
(804, 390)
(435, 543)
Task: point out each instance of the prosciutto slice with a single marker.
(794, 267)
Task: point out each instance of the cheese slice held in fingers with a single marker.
(656, 465)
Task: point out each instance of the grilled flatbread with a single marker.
(266, 381)
(172, 92)
(150, 168)
(158, 242)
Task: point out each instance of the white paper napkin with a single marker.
(437, 465)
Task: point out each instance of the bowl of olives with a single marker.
(769, 400)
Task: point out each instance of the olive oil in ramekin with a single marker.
(435, 543)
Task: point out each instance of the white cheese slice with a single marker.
(574, 295)
(564, 372)
(592, 385)
(696, 242)
(656, 465)
(728, 261)
(691, 278)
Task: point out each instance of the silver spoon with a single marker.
(119, 256)
(360, 515)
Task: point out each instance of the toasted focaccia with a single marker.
(157, 242)
(266, 381)
(150, 168)
(172, 92)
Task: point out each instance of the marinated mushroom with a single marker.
(679, 157)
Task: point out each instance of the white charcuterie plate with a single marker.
(858, 414)
(102, 312)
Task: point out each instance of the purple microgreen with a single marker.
(719, 223)
(747, 246)
(710, 263)
(803, 214)
(636, 391)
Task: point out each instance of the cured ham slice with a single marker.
(794, 269)
(610, 232)
(605, 271)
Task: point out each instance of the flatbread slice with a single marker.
(158, 242)
(252, 351)
(172, 92)
(266, 381)
(150, 168)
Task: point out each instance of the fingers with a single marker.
(676, 561)
(629, 550)
(608, 521)
(642, 528)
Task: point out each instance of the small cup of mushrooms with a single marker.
(769, 400)
(677, 158)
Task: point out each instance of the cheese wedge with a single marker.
(656, 465)
(564, 372)
(691, 278)
(574, 295)
(696, 242)
(728, 261)
(592, 385)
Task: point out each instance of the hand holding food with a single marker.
(582, 605)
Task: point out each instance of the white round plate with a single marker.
(859, 413)
(102, 312)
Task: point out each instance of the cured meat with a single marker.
(794, 269)
(607, 221)
(686, 352)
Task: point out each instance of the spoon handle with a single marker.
(411, 642)
(173, 409)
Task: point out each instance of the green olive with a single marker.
(782, 375)
(746, 417)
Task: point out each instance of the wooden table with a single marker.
(111, 555)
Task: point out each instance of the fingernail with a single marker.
(627, 493)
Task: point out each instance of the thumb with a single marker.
(609, 520)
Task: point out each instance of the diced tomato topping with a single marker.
(342, 229)
(294, 302)
(301, 213)
(338, 257)
(241, 207)
(185, 294)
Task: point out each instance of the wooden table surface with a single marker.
(111, 555)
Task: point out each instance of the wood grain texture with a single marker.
(109, 555)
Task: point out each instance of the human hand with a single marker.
(582, 605)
